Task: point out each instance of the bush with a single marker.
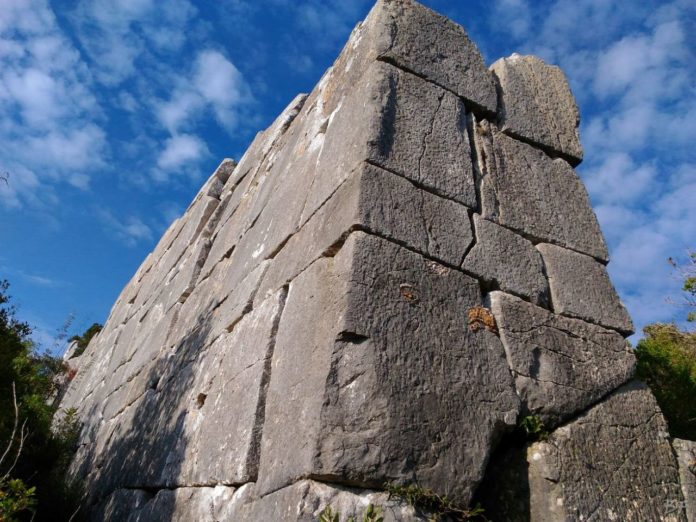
(667, 362)
(33, 479)
(84, 339)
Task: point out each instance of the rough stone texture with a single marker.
(305, 500)
(324, 318)
(505, 260)
(395, 374)
(614, 462)
(686, 456)
(561, 366)
(433, 47)
(540, 197)
(536, 105)
(580, 287)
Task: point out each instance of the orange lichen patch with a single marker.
(480, 317)
(409, 292)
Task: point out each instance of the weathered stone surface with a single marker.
(580, 287)
(313, 326)
(561, 365)
(373, 391)
(527, 191)
(536, 105)
(384, 204)
(612, 463)
(305, 500)
(401, 123)
(420, 40)
(204, 504)
(507, 261)
(686, 456)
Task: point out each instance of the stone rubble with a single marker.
(396, 273)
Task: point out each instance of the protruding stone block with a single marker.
(580, 287)
(535, 104)
(614, 462)
(396, 32)
(561, 366)
(507, 261)
(686, 456)
(372, 392)
(541, 198)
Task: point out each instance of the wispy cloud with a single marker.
(51, 131)
(130, 230)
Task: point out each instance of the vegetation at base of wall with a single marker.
(667, 362)
(84, 339)
(32, 472)
(371, 514)
(436, 507)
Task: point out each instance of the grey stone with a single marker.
(561, 365)
(580, 287)
(539, 197)
(686, 456)
(612, 463)
(305, 501)
(417, 39)
(384, 204)
(372, 392)
(401, 123)
(507, 261)
(536, 105)
(200, 504)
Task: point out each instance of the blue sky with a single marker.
(115, 112)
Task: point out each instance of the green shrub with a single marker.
(84, 339)
(667, 362)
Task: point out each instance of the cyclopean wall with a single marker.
(399, 270)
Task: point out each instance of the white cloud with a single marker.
(513, 15)
(129, 229)
(214, 84)
(181, 150)
(51, 131)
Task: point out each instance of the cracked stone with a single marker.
(384, 388)
(536, 105)
(507, 261)
(580, 287)
(561, 365)
(686, 456)
(537, 196)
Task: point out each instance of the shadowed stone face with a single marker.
(397, 272)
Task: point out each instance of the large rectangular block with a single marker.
(378, 387)
(535, 195)
(561, 365)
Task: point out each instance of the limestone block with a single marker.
(401, 123)
(378, 387)
(561, 365)
(686, 456)
(580, 287)
(384, 204)
(539, 197)
(507, 261)
(224, 431)
(612, 463)
(417, 39)
(200, 504)
(305, 501)
(536, 105)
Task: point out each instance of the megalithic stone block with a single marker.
(370, 393)
(614, 462)
(536, 105)
(686, 456)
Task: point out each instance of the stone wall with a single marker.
(397, 271)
